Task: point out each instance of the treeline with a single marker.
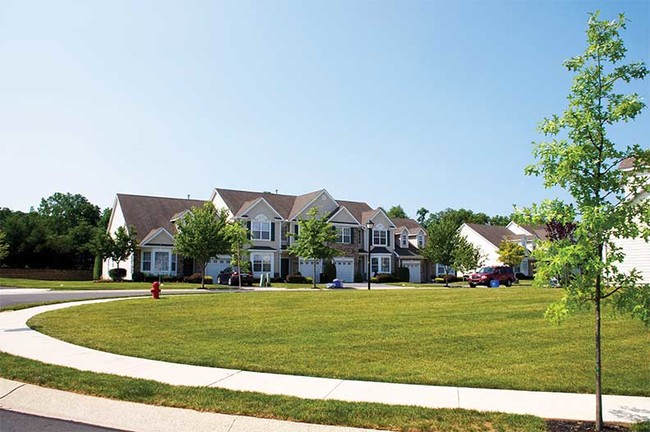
(60, 234)
(456, 217)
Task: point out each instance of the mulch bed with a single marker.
(580, 426)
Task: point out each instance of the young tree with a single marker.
(465, 256)
(422, 216)
(443, 240)
(584, 161)
(202, 235)
(397, 212)
(121, 245)
(237, 235)
(511, 253)
(314, 240)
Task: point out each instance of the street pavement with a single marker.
(13, 296)
(18, 339)
(11, 421)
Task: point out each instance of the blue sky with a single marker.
(424, 104)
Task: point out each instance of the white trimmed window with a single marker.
(146, 261)
(379, 236)
(343, 235)
(261, 263)
(420, 240)
(261, 230)
(403, 240)
(380, 264)
(161, 262)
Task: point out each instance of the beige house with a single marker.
(270, 217)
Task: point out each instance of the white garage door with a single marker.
(344, 269)
(414, 271)
(216, 265)
(306, 268)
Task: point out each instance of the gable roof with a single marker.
(626, 163)
(492, 233)
(538, 231)
(237, 199)
(409, 224)
(147, 213)
(302, 201)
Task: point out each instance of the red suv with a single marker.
(485, 275)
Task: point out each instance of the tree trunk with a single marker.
(446, 276)
(599, 394)
(239, 264)
(313, 280)
(203, 275)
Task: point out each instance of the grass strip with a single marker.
(364, 415)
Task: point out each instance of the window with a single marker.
(174, 262)
(403, 240)
(380, 265)
(379, 237)
(343, 235)
(261, 230)
(420, 240)
(285, 232)
(261, 263)
(161, 262)
(146, 261)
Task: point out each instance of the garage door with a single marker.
(414, 271)
(216, 265)
(344, 269)
(306, 268)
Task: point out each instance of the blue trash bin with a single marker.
(494, 283)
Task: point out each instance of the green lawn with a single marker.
(495, 338)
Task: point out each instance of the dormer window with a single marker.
(403, 240)
(420, 240)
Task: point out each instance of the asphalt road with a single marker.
(12, 296)
(11, 421)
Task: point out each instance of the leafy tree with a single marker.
(202, 235)
(511, 253)
(26, 238)
(443, 241)
(314, 240)
(397, 212)
(422, 215)
(66, 211)
(584, 161)
(500, 220)
(465, 256)
(121, 245)
(4, 248)
(237, 236)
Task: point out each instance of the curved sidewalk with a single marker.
(18, 339)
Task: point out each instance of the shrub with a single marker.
(329, 272)
(137, 277)
(296, 278)
(450, 278)
(383, 278)
(117, 274)
(196, 278)
(403, 274)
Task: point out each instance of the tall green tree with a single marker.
(511, 253)
(202, 235)
(4, 247)
(466, 256)
(443, 240)
(314, 240)
(238, 237)
(422, 215)
(582, 159)
(397, 212)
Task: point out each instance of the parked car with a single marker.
(485, 275)
(230, 277)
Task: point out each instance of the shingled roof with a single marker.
(148, 213)
(627, 163)
(492, 233)
(412, 226)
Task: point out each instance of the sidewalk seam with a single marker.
(17, 388)
(332, 391)
(224, 378)
(458, 396)
(232, 424)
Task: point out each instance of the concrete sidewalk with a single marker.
(18, 339)
(30, 399)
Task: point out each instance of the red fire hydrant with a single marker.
(155, 289)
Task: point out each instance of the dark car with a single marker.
(485, 275)
(230, 277)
